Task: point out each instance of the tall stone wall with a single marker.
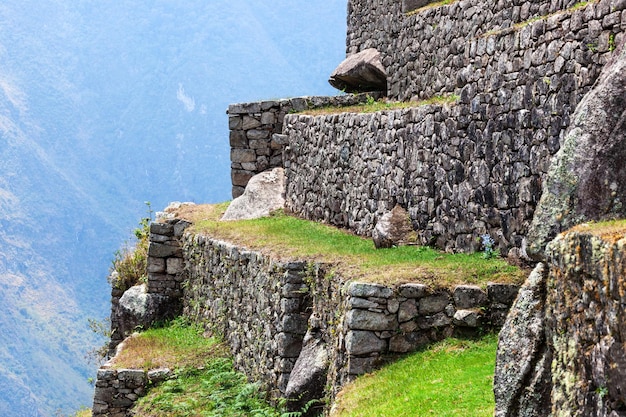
(260, 307)
(253, 146)
(494, 46)
(456, 182)
(519, 69)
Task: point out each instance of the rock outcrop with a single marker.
(587, 178)
(393, 229)
(561, 350)
(360, 72)
(264, 193)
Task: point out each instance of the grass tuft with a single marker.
(451, 378)
(373, 106)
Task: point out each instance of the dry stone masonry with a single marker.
(463, 170)
(254, 147)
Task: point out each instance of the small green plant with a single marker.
(369, 100)
(611, 42)
(592, 46)
(602, 391)
(103, 329)
(129, 265)
(488, 246)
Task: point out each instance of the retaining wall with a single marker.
(253, 148)
(465, 170)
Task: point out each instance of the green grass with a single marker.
(175, 345)
(215, 390)
(353, 257)
(452, 378)
(373, 106)
(203, 382)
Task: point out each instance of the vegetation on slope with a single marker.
(203, 382)
(451, 378)
(354, 257)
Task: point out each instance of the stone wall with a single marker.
(468, 169)
(159, 297)
(260, 306)
(253, 147)
(492, 46)
(264, 307)
(456, 183)
(117, 390)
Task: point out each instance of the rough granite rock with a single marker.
(393, 229)
(308, 377)
(360, 72)
(139, 309)
(587, 177)
(562, 350)
(521, 381)
(264, 193)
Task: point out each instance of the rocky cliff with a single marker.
(562, 347)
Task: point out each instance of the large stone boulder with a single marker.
(264, 193)
(393, 229)
(522, 379)
(587, 177)
(139, 309)
(307, 381)
(360, 72)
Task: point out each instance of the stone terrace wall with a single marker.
(253, 148)
(456, 183)
(264, 308)
(261, 307)
(444, 48)
(477, 167)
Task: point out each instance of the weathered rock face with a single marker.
(307, 381)
(563, 346)
(264, 193)
(587, 178)
(360, 72)
(393, 229)
(138, 308)
(522, 379)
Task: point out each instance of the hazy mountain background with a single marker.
(105, 105)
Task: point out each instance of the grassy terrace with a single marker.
(204, 382)
(372, 106)
(450, 379)
(355, 258)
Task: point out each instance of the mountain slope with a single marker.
(103, 107)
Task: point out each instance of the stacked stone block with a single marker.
(383, 321)
(255, 141)
(117, 390)
(165, 258)
(260, 306)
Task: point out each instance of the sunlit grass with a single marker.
(354, 257)
(173, 346)
(373, 106)
(452, 378)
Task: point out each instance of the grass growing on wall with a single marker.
(354, 257)
(373, 106)
(452, 378)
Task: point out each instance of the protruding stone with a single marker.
(393, 229)
(360, 72)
